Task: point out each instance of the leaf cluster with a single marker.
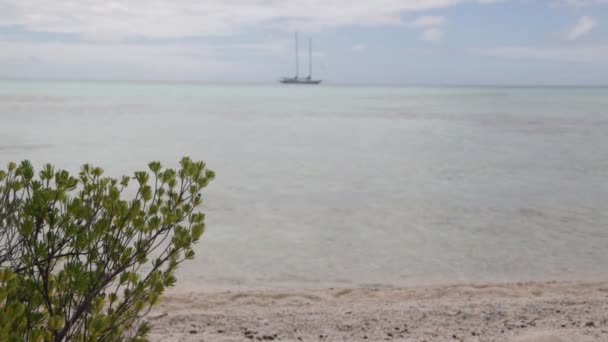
(80, 260)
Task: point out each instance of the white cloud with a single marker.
(137, 61)
(432, 32)
(432, 35)
(359, 47)
(576, 54)
(110, 20)
(171, 57)
(581, 3)
(427, 20)
(583, 26)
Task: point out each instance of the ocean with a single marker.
(350, 185)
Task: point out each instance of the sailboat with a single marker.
(296, 79)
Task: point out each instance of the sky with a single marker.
(434, 42)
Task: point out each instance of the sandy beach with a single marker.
(520, 312)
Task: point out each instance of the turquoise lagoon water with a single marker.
(351, 185)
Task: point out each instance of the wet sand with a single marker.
(520, 312)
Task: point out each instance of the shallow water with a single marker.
(351, 184)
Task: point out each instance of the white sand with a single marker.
(522, 312)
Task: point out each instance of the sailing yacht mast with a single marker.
(310, 58)
(297, 58)
(296, 79)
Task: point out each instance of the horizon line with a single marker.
(325, 83)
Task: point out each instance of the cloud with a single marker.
(583, 26)
(359, 47)
(427, 20)
(111, 20)
(171, 57)
(117, 60)
(432, 35)
(575, 54)
(430, 23)
(581, 3)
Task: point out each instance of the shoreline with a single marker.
(523, 311)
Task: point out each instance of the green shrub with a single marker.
(79, 262)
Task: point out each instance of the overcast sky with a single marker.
(371, 41)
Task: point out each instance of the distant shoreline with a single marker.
(531, 311)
